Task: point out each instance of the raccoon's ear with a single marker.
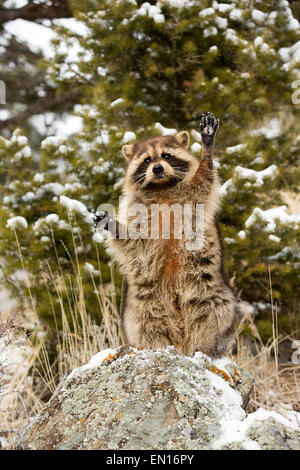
(183, 138)
(127, 151)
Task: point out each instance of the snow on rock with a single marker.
(17, 222)
(291, 415)
(94, 362)
(272, 216)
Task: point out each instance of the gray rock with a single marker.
(271, 434)
(160, 399)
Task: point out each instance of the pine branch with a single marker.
(50, 102)
(37, 11)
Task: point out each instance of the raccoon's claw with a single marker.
(208, 127)
(101, 219)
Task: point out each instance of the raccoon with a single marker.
(174, 295)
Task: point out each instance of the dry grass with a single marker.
(277, 383)
(26, 382)
(30, 378)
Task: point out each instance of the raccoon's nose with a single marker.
(158, 169)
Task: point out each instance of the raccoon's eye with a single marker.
(166, 156)
(147, 160)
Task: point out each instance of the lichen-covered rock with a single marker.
(141, 399)
(271, 434)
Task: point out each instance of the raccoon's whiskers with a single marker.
(178, 169)
(140, 178)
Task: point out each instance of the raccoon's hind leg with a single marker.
(210, 327)
(143, 328)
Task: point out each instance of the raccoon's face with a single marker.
(159, 163)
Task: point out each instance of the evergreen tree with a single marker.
(28, 92)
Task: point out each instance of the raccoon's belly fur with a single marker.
(175, 296)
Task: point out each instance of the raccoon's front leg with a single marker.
(208, 126)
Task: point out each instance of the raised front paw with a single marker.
(101, 219)
(208, 127)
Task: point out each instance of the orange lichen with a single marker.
(114, 400)
(239, 378)
(110, 357)
(221, 373)
(80, 420)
